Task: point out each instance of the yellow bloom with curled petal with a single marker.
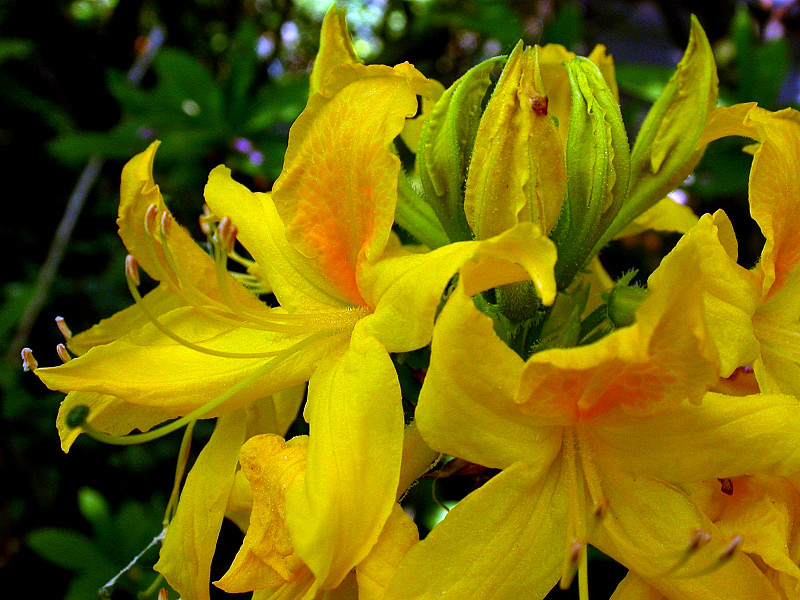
(349, 295)
(767, 323)
(593, 442)
(267, 563)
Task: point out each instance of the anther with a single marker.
(699, 539)
(571, 567)
(77, 416)
(61, 350)
(150, 217)
(731, 548)
(62, 327)
(28, 362)
(600, 509)
(132, 269)
(226, 233)
(166, 223)
(162, 594)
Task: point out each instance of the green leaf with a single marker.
(446, 146)
(94, 508)
(15, 48)
(66, 548)
(243, 61)
(645, 82)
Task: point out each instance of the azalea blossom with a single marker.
(202, 345)
(593, 442)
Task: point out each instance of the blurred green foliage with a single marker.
(116, 538)
(225, 87)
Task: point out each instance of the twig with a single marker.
(77, 200)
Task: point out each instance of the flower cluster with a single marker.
(658, 424)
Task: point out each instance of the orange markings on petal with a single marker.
(338, 189)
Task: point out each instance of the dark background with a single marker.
(68, 523)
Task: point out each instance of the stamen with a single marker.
(184, 342)
(166, 223)
(132, 270)
(180, 469)
(150, 217)
(226, 235)
(731, 548)
(574, 550)
(699, 539)
(28, 362)
(61, 350)
(207, 220)
(600, 509)
(79, 413)
(62, 327)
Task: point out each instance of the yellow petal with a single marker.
(502, 542)
(335, 48)
(295, 280)
(187, 550)
(778, 366)
(109, 415)
(148, 369)
(406, 289)
(376, 571)
(518, 170)
(336, 509)
(725, 436)
(763, 510)
(471, 413)
(413, 128)
(266, 558)
(653, 365)
(158, 302)
(197, 277)
(730, 293)
(338, 189)
(418, 458)
(774, 188)
(556, 83)
(647, 528)
(665, 215)
(634, 587)
(605, 63)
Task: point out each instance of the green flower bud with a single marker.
(446, 146)
(598, 168)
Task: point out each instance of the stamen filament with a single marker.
(184, 342)
(199, 413)
(183, 458)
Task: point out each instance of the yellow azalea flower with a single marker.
(763, 512)
(267, 563)
(348, 293)
(768, 321)
(592, 442)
